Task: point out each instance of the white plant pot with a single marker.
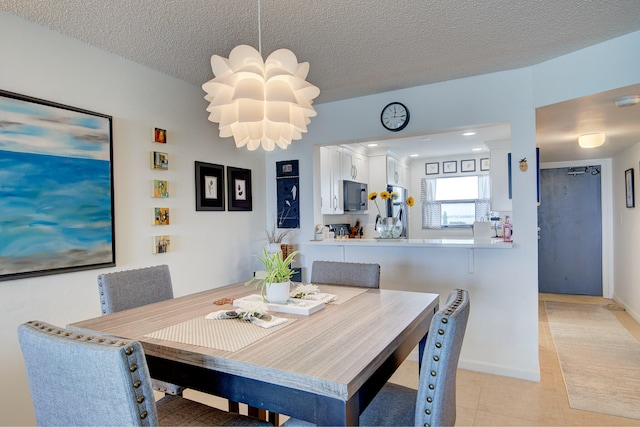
(278, 293)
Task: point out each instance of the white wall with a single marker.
(626, 229)
(209, 249)
(503, 285)
(599, 68)
(502, 334)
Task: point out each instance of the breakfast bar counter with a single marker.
(496, 243)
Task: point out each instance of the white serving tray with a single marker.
(294, 305)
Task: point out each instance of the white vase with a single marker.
(278, 293)
(274, 248)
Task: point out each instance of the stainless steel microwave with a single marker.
(355, 196)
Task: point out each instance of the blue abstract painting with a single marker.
(56, 192)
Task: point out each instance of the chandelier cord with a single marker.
(259, 31)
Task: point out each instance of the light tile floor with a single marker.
(491, 400)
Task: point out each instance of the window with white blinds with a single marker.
(454, 202)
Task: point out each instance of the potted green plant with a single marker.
(275, 284)
(275, 238)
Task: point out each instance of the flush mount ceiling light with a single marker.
(260, 103)
(628, 101)
(591, 140)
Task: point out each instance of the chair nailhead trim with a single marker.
(133, 368)
(433, 373)
(436, 358)
(140, 399)
(431, 387)
(440, 331)
(143, 415)
(136, 384)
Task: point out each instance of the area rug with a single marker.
(599, 358)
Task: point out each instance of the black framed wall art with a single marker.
(209, 187)
(239, 189)
(629, 188)
(288, 194)
(56, 196)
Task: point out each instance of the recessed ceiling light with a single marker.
(425, 139)
(468, 134)
(476, 149)
(373, 144)
(413, 155)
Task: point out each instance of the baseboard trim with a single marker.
(486, 368)
(632, 313)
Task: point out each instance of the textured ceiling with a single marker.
(354, 47)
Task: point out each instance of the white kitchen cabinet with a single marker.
(331, 180)
(355, 166)
(397, 172)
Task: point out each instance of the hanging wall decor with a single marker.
(239, 189)
(159, 161)
(160, 189)
(160, 135)
(56, 192)
(161, 244)
(209, 187)
(288, 203)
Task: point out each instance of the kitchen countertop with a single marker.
(496, 243)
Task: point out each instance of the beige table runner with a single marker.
(227, 334)
(235, 334)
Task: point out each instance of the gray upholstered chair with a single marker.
(83, 380)
(434, 403)
(127, 289)
(346, 273)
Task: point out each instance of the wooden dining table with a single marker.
(324, 368)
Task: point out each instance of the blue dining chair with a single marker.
(79, 379)
(122, 290)
(434, 403)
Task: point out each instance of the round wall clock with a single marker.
(395, 116)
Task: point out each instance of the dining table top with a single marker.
(330, 353)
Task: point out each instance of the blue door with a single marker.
(570, 236)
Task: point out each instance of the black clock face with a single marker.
(395, 117)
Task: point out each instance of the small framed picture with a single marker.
(159, 161)
(160, 189)
(160, 135)
(209, 187)
(432, 168)
(161, 244)
(468, 165)
(239, 189)
(629, 188)
(450, 167)
(485, 164)
(160, 216)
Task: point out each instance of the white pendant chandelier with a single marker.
(260, 103)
